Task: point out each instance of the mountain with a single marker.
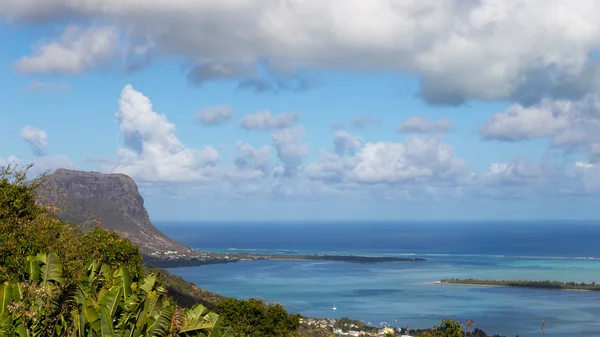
(111, 201)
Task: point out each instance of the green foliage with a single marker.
(255, 318)
(25, 227)
(111, 249)
(104, 302)
(447, 328)
(40, 306)
(185, 294)
(17, 202)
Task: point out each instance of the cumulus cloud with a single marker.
(264, 120)
(521, 171)
(74, 51)
(249, 157)
(215, 115)
(36, 138)
(452, 46)
(291, 148)
(424, 159)
(572, 125)
(346, 143)
(152, 152)
(421, 124)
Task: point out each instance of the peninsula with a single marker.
(206, 258)
(552, 285)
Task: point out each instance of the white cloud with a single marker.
(521, 171)
(461, 50)
(41, 164)
(152, 152)
(76, 50)
(291, 148)
(215, 115)
(264, 120)
(50, 163)
(346, 143)
(36, 138)
(421, 124)
(251, 158)
(417, 159)
(330, 167)
(572, 125)
(519, 123)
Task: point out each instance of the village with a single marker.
(347, 327)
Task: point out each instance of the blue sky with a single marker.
(312, 110)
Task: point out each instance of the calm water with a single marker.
(564, 251)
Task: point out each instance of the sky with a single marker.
(311, 109)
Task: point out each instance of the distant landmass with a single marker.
(111, 201)
(551, 285)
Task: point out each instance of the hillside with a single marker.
(111, 201)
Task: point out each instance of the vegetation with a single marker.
(527, 284)
(185, 294)
(104, 302)
(448, 328)
(256, 318)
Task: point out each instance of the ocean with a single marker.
(403, 293)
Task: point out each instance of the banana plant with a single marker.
(104, 303)
(110, 304)
(39, 307)
(9, 293)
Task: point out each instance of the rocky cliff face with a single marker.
(113, 201)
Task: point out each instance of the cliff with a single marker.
(113, 202)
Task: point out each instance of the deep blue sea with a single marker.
(403, 293)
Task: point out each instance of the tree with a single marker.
(447, 328)
(255, 318)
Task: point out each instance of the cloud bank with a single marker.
(522, 50)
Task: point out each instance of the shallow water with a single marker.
(403, 291)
